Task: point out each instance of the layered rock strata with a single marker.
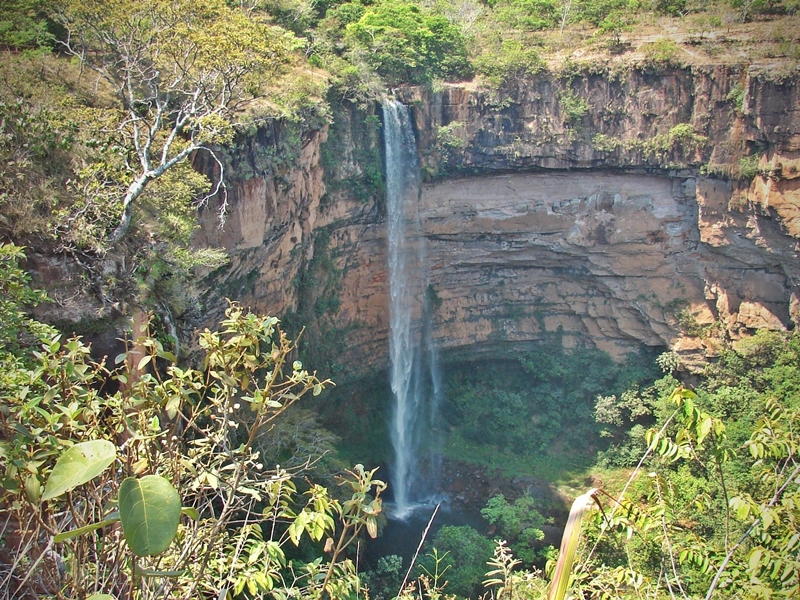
(628, 221)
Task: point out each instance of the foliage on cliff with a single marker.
(505, 40)
(159, 82)
(165, 79)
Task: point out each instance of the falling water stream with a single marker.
(413, 373)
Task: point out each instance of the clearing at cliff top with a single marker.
(685, 42)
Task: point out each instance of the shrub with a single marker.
(605, 143)
(597, 11)
(24, 24)
(663, 50)
(748, 167)
(533, 15)
(176, 437)
(512, 60)
(672, 8)
(682, 139)
(448, 137)
(573, 107)
(463, 553)
(736, 97)
(519, 523)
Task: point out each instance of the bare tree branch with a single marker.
(178, 70)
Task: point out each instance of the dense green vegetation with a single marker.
(697, 469)
(720, 469)
(712, 498)
(536, 416)
(701, 488)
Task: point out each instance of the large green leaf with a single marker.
(150, 509)
(79, 464)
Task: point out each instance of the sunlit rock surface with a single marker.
(535, 229)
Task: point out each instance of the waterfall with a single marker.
(434, 434)
(412, 371)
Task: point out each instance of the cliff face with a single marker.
(609, 209)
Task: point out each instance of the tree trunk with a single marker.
(134, 191)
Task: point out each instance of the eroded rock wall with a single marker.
(536, 225)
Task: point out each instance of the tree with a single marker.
(519, 523)
(596, 11)
(180, 432)
(460, 559)
(408, 44)
(23, 24)
(615, 23)
(180, 70)
(564, 9)
(533, 15)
